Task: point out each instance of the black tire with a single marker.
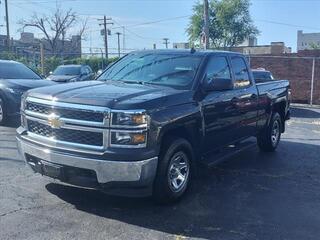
(164, 189)
(3, 115)
(269, 138)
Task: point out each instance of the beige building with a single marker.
(275, 48)
(306, 41)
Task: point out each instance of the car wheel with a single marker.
(2, 112)
(269, 138)
(174, 171)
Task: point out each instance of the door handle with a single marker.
(254, 96)
(235, 100)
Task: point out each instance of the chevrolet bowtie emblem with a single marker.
(54, 121)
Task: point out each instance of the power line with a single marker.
(286, 24)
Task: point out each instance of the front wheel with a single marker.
(174, 171)
(269, 138)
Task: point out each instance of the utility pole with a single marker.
(118, 43)
(166, 42)
(105, 32)
(7, 24)
(206, 24)
(42, 58)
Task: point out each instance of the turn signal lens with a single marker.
(138, 138)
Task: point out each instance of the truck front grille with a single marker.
(66, 135)
(77, 114)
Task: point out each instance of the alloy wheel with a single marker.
(179, 170)
(275, 133)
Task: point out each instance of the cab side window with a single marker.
(89, 71)
(218, 68)
(241, 73)
(83, 71)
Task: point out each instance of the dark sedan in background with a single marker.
(71, 73)
(15, 79)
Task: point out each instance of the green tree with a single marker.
(230, 23)
(315, 46)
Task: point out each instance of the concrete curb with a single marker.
(305, 105)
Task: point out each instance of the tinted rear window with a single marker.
(16, 71)
(261, 76)
(67, 70)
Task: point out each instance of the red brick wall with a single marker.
(297, 70)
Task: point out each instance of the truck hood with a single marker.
(115, 95)
(25, 84)
(61, 78)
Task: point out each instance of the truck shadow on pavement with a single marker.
(253, 195)
(305, 113)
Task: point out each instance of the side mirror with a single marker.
(218, 84)
(99, 72)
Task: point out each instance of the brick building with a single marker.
(297, 68)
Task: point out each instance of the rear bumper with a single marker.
(124, 178)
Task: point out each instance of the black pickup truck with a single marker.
(149, 121)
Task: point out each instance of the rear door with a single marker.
(245, 99)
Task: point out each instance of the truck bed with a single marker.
(274, 89)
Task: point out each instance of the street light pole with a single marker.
(118, 43)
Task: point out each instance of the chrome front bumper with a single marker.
(141, 172)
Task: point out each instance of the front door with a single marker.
(220, 115)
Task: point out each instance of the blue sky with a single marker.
(278, 20)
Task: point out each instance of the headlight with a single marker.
(23, 101)
(23, 121)
(130, 119)
(128, 139)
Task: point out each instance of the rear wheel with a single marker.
(269, 138)
(174, 171)
(2, 112)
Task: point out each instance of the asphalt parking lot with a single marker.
(252, 196)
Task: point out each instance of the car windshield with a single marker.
(176, 70)
(261, 76)
(16, 71)
(67, 70)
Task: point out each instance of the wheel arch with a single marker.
(280, 107)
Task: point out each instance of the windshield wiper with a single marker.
(133, 82)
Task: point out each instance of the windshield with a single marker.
(174, 70)
(67, 70)
(16, 71)
(260, 76)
